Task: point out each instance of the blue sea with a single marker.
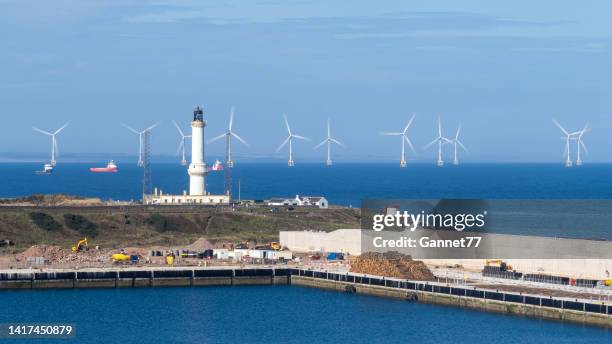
(272, 314)
(342, 184)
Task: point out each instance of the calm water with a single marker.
(344, 184)
(267, 314)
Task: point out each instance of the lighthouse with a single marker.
(197, 168)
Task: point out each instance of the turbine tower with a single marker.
(289, 139)
(329, 140)
(568, 136)
(404, 138)
(440, 140)
(54, 150)
(140, 139)
(197, 168)
(580, 144)
(229, 163)
(181, 147)
(456, 143)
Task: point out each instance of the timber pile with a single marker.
(391, 264)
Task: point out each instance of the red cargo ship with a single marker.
(111, 167)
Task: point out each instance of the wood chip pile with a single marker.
(391, 264)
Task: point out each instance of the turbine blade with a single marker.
(231, 122)
(151, 127)
(283, 144)
(461, 145)
(583, 146)
(390, 134)
(217, 138)
(178, 150)
(337, 142)
(62, 128)
(458, 131)
(287, 124)
(431, 143)
(409, 144)
(240, 139)
(42, 131)
(130, 128)
(439, 127)
(409, 123)
(301, 137)
(320, 144)
(178, 128)
(560, 127)
(328, 129)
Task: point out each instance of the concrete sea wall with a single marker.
(563, 309)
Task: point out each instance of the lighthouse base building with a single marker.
(197, 172)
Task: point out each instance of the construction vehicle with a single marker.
(82, 245)
(499, 263)
(170, 258)
(120, 257)
(275, 246)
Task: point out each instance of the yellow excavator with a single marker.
(275, 246)
(82, 245)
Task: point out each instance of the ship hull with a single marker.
(103, 170)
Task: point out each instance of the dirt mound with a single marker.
(391, 264)
(59, 255)
(200, 245)
(50, 252)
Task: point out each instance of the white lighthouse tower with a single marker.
(197, 168)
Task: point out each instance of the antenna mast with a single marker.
(146, 178)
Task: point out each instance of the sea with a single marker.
(345, 184)
(271, 314)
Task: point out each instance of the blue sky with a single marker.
(503, 69)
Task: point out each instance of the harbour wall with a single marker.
(562, 309)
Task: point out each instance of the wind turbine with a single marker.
(289, 139)
(228, 140)
(329, 140)
(181, 147)
(580, 144)
(140, 135)
(568, 137)
(404, 138)
(456, 143)
(440, 140)
(54, 150)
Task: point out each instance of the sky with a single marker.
(501, 69)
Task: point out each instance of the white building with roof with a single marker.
(300, 201)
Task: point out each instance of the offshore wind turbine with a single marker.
(181, 147)
(140, 139)
(289, 140)
(440, 140)
(329, 140)
(456, 143)
(404, 139)
(54, 150)
(228, 140)
(568, 136)
(580, 144)
(229, 163)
